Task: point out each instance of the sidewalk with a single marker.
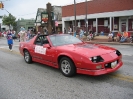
(104, 40)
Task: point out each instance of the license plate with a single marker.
(113, 64)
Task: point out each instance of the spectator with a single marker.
(81, 34)
(0, 34)
(74, 34)
(85, 33)
(70, 30)
(14, 37)
(53, 30)
(118, 36)
(110, 37)
(22, 35)
(131, 39)
(90, 36)
(28, 35)
(113, 36)
(102, 33)
(18, 37)
(124, 37)
(64, 30)
(46, 31)
(5, 33)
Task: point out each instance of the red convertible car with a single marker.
(71, 55)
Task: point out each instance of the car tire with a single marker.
(67, 67)
(27, 57)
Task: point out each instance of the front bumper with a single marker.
(100, 71)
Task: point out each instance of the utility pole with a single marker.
(75, 16)
(86, 17)
(49, 10)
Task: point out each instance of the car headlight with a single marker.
(96, 59)
(118, 53)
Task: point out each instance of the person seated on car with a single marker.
(118, 36)
(124, 37)
(110, 37)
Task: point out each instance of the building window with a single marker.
(94, 23)
(115, 26)
(105, 23)
(38, 19)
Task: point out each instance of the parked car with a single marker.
(71, 55)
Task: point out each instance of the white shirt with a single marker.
(110, 34)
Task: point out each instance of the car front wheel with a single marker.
(67, 67)
(27, 56)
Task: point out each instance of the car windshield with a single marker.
(58, 40)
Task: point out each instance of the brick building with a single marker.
(102, 15)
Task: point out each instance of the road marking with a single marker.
(16, 45)
(13, 51)
(127, 54)
(123, 77)
(3, 46)
(8, 46)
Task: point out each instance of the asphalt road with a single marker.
(19, 80)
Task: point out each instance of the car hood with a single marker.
(88, 49)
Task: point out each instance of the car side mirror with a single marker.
(46, 46)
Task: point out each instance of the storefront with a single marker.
(102, 15)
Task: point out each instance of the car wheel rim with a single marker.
(65, 66)
(27, 56)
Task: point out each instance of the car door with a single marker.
(38, 50)
(49, 53)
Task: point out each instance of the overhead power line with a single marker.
(27, 14)
(4, 0)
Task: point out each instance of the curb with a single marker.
(110, 43)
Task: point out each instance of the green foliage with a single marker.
(9, 20)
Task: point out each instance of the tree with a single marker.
(9, 20)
